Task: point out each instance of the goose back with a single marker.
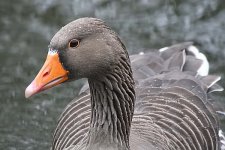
(173, 108)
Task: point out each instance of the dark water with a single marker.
(27, 26)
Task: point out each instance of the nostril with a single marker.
(45, 74)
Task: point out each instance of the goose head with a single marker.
(84, 48)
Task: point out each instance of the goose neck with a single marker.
(112, 100)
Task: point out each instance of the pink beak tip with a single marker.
(30, 90)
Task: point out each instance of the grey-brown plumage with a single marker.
(171, 109)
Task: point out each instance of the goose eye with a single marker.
(74, 43)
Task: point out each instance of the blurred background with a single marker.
(26, 28)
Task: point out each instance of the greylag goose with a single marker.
(154, 101)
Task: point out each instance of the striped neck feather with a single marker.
(112, 100)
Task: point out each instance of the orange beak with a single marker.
(51, 74)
